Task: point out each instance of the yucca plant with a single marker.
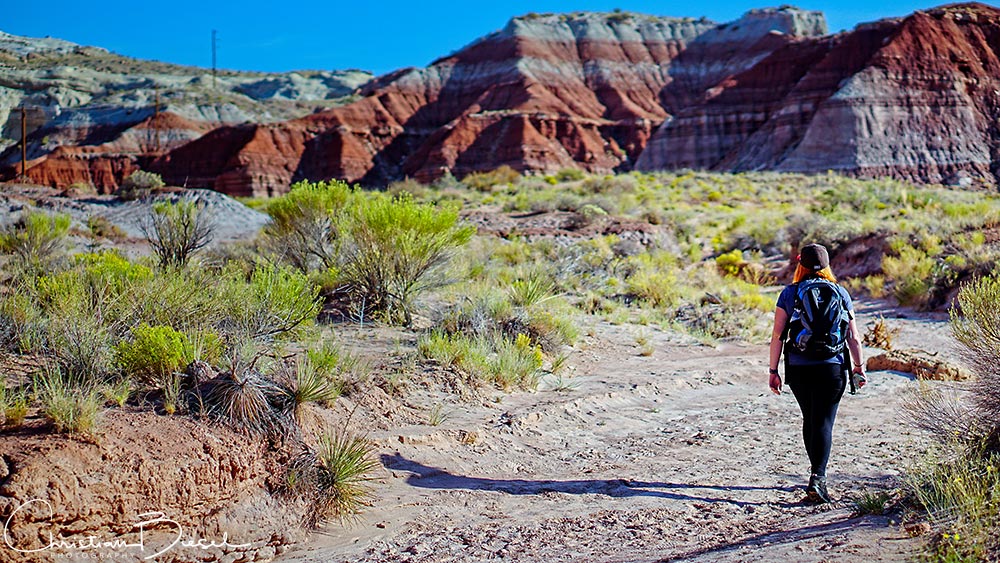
(243, 399)
(305, 383)
(334, 476)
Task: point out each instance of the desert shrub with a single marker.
(378, 251)
(109, 270)
(912, 275)
(35, 241)
(957, 482)
(407, 187)
(177, 230)
(78, 336)
(485, 181)
(139, 184)
(154, 354)
(272, 302)
(570, 175)
(399, 249)
(332, 361)
(730, 263)
(654, 281)
(869, 502)
(189, 300)
(69, 407)
(333, 478)
(609, 185)
(100, 227)
(306, 223)
(977, 328)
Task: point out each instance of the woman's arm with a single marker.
(780, 320)
(854, 345)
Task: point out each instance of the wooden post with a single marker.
(156, 123)
(24, 144)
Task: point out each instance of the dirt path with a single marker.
(678, 456)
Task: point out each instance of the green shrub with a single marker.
(306, 224)
(35, 241)
(153, 354)
(109, 270)
(570, 175)
(399, 249)
(176, 231)
(139, 184)
(334, 477)
(958, 495)
(23, 323)
(869, 502)
(272, 302)
(730, 263)
(657, 288)
(912, 274)
(485, 181)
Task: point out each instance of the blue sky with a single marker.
(374, 35)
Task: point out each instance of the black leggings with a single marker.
(818, 390)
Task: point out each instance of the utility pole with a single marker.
(156, 122)
(24, 143)
(214, 71)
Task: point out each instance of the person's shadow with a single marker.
(427, 477)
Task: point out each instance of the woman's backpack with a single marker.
(818, 324)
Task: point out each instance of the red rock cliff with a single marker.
(546, 92)
(916, 98)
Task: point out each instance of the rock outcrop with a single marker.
(548, 91)
(94, 116)
(180, 477)
(915, 98)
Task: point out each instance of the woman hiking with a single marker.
(814, 326)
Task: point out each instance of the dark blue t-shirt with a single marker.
(786, 301)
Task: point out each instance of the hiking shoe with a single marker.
(816, 491)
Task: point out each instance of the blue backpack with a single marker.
(818, 324)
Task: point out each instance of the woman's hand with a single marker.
(859, 376)
(775, 384)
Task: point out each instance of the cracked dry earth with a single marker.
(679, 456)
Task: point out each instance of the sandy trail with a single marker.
(679, 456)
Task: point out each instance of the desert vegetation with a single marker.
(495, 276)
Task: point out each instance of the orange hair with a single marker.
(801, 273)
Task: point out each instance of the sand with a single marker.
(683, 455)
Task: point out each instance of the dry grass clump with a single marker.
(880, 334)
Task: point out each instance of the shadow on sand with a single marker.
(427, 477)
